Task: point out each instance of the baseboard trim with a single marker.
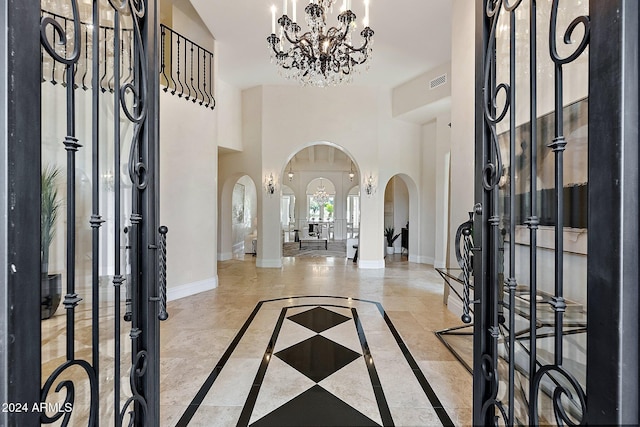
(269, 263)
(439, 264)
(422, 259)
(188, 289)
(226, 256)
(371, 264)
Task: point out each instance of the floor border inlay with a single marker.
(206, 386)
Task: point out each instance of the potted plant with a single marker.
(50, 206)
(388, 234)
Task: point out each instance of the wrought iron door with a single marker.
(556, 164)
(99, 62)
(524, 322)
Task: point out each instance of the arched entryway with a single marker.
(320, 183)
(238, 232)
(401, 208)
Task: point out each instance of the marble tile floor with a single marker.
(220, 367)
(251, 336)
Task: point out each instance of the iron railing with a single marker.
(186, 68)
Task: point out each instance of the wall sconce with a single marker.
(351, 173)
(269, 185)
(369, 186)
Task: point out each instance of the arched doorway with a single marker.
(396, 219)
(317, 198)
(237, 217)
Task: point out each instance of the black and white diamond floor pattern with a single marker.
(317, 375)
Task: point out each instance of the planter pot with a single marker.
(389, 250)
(51, 294)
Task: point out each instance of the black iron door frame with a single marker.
(21, 389)
(611, 32)
(20, 208)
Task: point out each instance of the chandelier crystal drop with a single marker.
(322, 56)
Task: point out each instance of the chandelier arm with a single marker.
(358, 49)
(294, 40)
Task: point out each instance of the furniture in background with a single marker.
(314, 242)
(405, 240)
(351, 250)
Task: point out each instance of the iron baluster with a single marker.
(163, 32)
(558, 146)
(178, 72)
(533, 220)
(118, 278)
(511, 283)
(186, 83)
(199, 84)
(96, 219)
(162, 257)
(195, 93)
(173, 82)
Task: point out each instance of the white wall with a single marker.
(416, 101)
(229, 107)
(462, 116)
(429, 184)
(188, 194)
(359, 121)
(442, 193)
(233, 165)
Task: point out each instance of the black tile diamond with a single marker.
(319, 319)
(315, 407)
(317, 357)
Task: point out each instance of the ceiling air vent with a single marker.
(437, 82)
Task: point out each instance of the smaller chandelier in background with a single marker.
(323, 55)
(321, 195)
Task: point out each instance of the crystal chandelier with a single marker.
(322, 56)
(321, 195)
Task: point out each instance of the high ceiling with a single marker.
(411, 37)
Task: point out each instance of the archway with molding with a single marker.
(402, 211)
(237, 216)
(301, 172)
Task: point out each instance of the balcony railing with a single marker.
(186, 68)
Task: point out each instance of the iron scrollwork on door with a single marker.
(510, 385)
(65, 40)
(125, 23)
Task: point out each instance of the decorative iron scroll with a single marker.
(112, 60)
(498, 405)
(59, 52)
(131, 98)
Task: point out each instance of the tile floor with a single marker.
(318, 342)
(247, 353)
